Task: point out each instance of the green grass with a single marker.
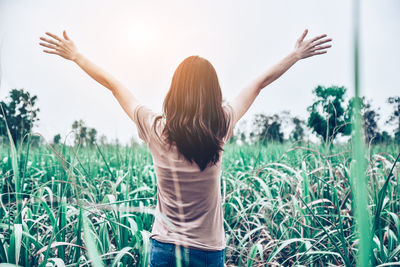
(282, 205)
(359, 165)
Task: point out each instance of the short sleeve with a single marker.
(231, 121)
(143, 118)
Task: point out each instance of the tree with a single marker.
(19, 114)
(267, 128)
(297, 133)
(383, 138)
(239, 133)
(370, 123)
(369, 119)
(92, 136)
(56, 139)
(80, 130)
(84, 135)
(326, 117)
(395, 116)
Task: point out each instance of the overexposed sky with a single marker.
(142, 42)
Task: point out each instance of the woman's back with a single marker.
(189, 202)
(189, 196)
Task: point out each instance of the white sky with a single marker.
(142, 42)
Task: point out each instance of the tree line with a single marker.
(19, 113)
(328, 117)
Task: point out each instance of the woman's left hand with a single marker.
(63, 47)
(308, 48)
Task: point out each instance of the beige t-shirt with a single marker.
(189, 204)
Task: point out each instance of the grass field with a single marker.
(283, 204)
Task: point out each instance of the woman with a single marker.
(186, 144)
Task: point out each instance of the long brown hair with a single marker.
(195, 120)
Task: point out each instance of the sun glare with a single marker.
(138, 33)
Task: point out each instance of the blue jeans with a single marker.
(164, 254)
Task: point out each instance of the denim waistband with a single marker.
(171, 247)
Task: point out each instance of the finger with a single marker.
(303, 36)
(318, 37)
(321, 47)
(48, 40)
(54, 36)
(48, 46)
(322, 42)
(51, 52)
(319, 53)
(65, 35)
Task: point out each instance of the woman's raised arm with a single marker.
(65, 48)
(303, 49)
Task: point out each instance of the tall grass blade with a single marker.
(358, 169)
(90, 242)
(15, 167)
(15, 244)
(381, 197)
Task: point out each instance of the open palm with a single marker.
(311, 47)
(59, 46)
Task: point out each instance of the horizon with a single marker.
(131, 45)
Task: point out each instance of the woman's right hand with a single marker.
(307, 48)
(63, 47)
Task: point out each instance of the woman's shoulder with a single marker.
(228, 109)
(148, 122)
